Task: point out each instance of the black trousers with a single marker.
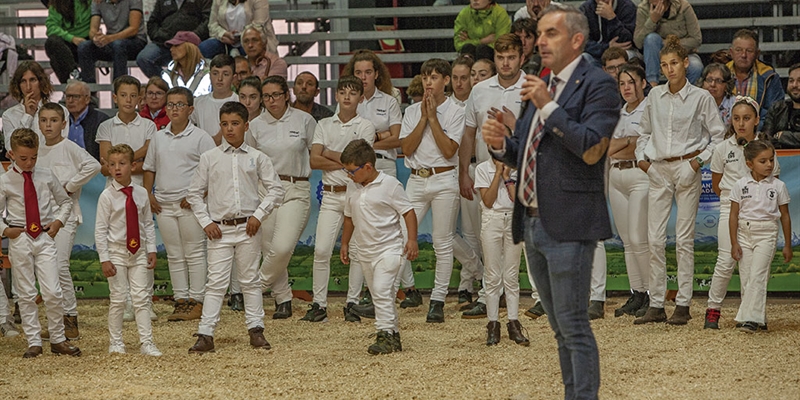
(63, 57)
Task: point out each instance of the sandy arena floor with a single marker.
(450, 360)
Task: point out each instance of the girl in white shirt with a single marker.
(250, 96)
(758, 202)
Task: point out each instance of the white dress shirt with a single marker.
(73, 167)
(759, 200)
(174, 158)
(287, 141)
(16, 117)
(111, 225)
(134, 134)
(484, 96)
(335, 135)
(54, 204)
(206, 112)
(428, 154)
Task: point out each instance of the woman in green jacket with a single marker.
(478, 26)
(67, 26)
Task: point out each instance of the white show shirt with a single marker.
(628, 124)
(484, 96)
(728, 160)
(73, 167)
(16, 117)
(231, 177)
(377, 210)
(383, 111)
(286, 141)
(54, 204)
(111, 225)
(174, 158)
(428, 154)
(484, 174)
(206, 112)
(335, 135)
(759, 201)
(134, 134)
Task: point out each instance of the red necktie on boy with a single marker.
(132, 221)
(33, 224)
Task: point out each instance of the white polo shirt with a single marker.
(383, 111)
(206, 112)
(174, 158)
(73, 167)
(759, 201)
(628, 124)
(335, 135)
(286, 141)
(377, 210)
(134, 134)
(451, 118)
(728, 160)
(484, 96)
(484, 174)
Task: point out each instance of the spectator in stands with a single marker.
(263, 63)
(611, 24)
(482, 70)
(655, 19)
(478, 26)
(306, 89)
(227, 21)
(251, 97)
(242, 70)
(721, 56)
(167, 19)
(461, 85)
(531, 10)
(613, 59)
(188, 68)
(154, 108)
(782, 124)
(83, 117)
(526, 30)
(415, 90)
(717, 80)
(752, 77)
(125, 37)
(67, 26)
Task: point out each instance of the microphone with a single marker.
(532, 67)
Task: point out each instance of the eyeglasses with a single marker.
(273, 96)
(179, 106)
(715, 81)
(74, 96)
(353, 172)
(613, 68)
(155, 94)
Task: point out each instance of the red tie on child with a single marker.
(132, 221)
(33, 224)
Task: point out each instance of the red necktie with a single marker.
(33, 224)
(530, 164)
(132, 221)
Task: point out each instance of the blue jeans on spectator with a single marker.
(152, 59)
(211, 47)
(652, 61)
(562, 272)
(118, 51)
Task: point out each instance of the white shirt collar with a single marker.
(566, 73)
(136, 120)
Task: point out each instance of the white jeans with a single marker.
(667, 180)
(627, 193)
(757, 239)
(246, 251)
(440, 193)
(723, 270)
(502, 258)
(381, 274)
(64, 241)
(471, 234)
(329, 223)
(599, 266)
(279, 236)
(34, 260)
(132, 279)
(184, 240)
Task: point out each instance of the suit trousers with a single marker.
(757, 240)
(627, 193)
(185, 241)
(502, 257)
(64, 241)
(132, 279)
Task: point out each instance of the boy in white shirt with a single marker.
(73, 167)
(206, 107)
(124, 224)
(374, 203)
(331, 137)
(172, 156)
(224, 195)
(36, 206)
(430, 137)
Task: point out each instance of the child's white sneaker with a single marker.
(128, 316)
(150, 349)
(117, 348)
(8, 329)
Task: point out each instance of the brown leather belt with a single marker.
(684, 157)
(426, 172)
(624, 164)
(293, 179)
(232, 222)
(334, 189)
(532, 212)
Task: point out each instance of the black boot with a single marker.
(633, 304)
(435, 312)
(283, 310)
(492, 333)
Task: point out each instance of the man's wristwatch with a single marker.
(699, 161)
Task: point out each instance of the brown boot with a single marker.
(680, 316)
(194, 310)
(179, 314)
(71, 327)
(33, 352)
(257, 339)
(515, 333)
(492, 333)
(204, 344)
(652, 315)
(65, 348)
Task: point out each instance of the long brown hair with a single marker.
(192, 58)
(384, 80)
(45, 87)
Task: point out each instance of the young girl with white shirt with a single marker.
(758, 202)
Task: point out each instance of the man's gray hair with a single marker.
(83, 85)
(258, 28)
(574, 19)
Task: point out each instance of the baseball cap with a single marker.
(183, 37)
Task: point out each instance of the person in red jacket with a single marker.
(155, 100)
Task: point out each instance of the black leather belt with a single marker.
(379, 155)
(532, 212)
(232, 222)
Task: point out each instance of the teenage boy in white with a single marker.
(331, 137)
(430, 136)
(206, 107)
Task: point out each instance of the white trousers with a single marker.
(406, 275)
(279, 236)
(132, 279)
(471, 234)
(439, 193)
(184, 240)
(329, 224)
(723, 270)
(757, 240)
(64, 241)
(502, 257)
(34, 260)
(627, 193)
(245, 250)
(599, 267)
(5, 311)
(381, 274)
(670, 180)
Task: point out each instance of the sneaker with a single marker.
(349, 316)
(153, 315)
(366, 299)
(384, 343)
(712, 319)
(536, 311)
(413, 299)
(128, 316)
(71, 327)
(237, 302)
(596, 309)
(464, 296)
(316, 313)
(179, 313)
(150, 349)
(204, 344)
(365, 311)
(435, 312)
(749, 327)
(477, 312)
(633, 304)
(8, 329)
(116, 349)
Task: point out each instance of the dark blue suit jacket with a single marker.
(570, 160)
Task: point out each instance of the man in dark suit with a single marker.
(559, 146)
(83, 117)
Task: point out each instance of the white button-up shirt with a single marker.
(54, 204)
(335, 135)
(134, 134)
(111, 225)
(174, 158)
(73, 167)
(484, 96)
(16, 117)
(759, 200)
(286, 141)
(428, 154)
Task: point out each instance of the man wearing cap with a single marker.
(168, 18)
